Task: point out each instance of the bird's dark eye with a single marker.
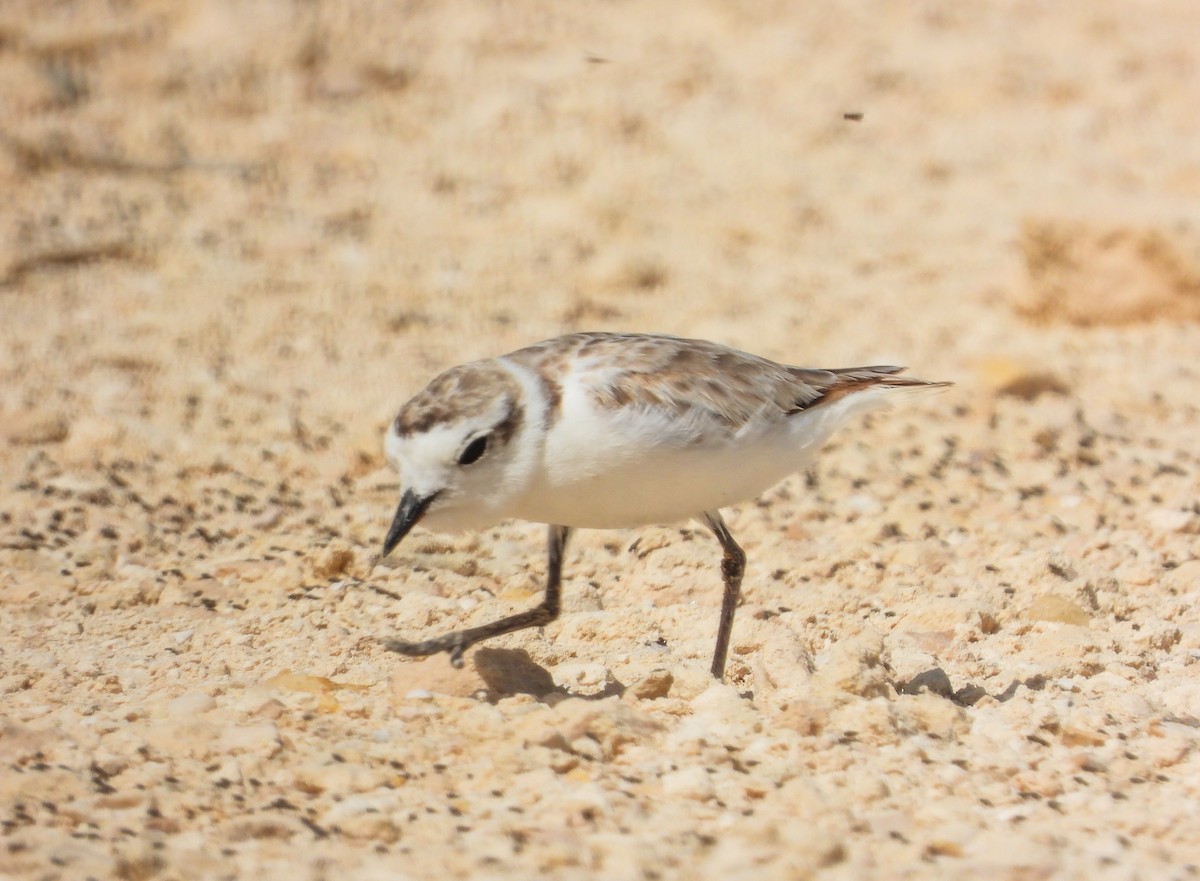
(474, 451)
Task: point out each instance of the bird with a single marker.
(612, 431)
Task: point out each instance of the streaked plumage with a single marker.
(603, 430)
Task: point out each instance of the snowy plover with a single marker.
(607, 431)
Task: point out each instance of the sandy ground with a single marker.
(236, 236)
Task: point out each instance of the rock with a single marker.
(872, 722)
(693, 783)
(332, 560)
(1159, 637)
(276, 828)
(304, 683)
(861, 503)
(807, 716)
(655, 684)
(1052, 607)
(1171, 743)
(933, 715)
(891, 823)
(1184, 578)
(771, 848)
(583, 678)
(15, 682)
(365, 817)
(587, 799)
(1169, 520)
(610, 723)
(927, 557)
(337, 777)
(586, 748)
(719, 716)
(911, 653)
(128, 593)
(1072, 736)
(690, 680)
(270, 709)
(259, 739)
(853, 667)
(931, 622)
(1181, 700)
(782, 666)
(188, 736)
(187, 705)
(245, 570)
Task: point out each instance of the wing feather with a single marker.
(697, 389)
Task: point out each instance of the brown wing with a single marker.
(706, 384)
(705, 388)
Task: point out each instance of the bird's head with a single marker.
(457, 446)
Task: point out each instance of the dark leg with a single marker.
(733, 565)
(459, 641)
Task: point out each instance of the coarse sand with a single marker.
(235, 237)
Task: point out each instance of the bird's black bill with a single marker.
(412, 508)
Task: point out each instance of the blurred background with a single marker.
(223, 217)
(235, 235)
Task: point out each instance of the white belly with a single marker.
(605, 474)
(656, 489)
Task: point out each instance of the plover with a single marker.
(609, 431)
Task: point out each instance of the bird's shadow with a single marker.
(506, 672)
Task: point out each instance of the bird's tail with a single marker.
(841, 382)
